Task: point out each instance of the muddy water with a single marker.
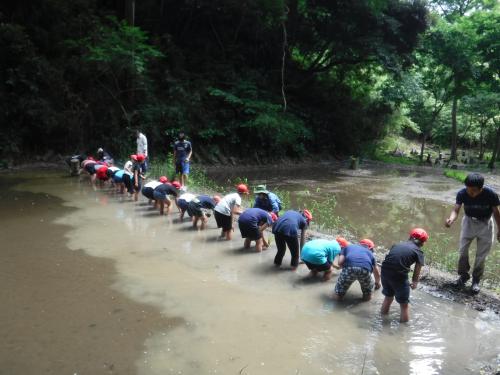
(241, 316)
(377, 202)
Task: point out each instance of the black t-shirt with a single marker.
(167, 189)
(480, 207)
(402, 256)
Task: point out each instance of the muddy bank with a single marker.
(60, 314)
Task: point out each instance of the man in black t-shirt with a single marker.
(480, 203)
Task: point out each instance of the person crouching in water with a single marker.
(286, 230)
(252, 223)
(162, 192)
(199, 209)
(358, 263)
(149, 188)
(318, 255)
(229, 206)
(266, 200)
(182, 203)
(395, 270)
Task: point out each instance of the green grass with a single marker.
(455, 174)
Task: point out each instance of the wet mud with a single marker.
(60, 314)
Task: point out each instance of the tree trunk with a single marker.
(453, 155)
(422, 147)
(481, 149)
(491, 164)
(130, 12)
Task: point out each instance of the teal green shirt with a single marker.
(320, 251)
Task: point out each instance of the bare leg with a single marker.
(229, 234)
(367, 297)
(384, 310)
(405, 312)
(327, 275)
(204, 221)
(258, 244)
(162, 207)
(246, 245)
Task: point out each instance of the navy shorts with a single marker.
(395, 284)
(90, 168)
(182, 204)
(318, 267)
(223, 221)
(194, 209)
(248, 231)
(148, 192)
(160, 196)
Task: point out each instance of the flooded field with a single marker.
(221, 309)
(378, 202)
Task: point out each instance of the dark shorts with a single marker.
(148, 192)
(128, 182)
(396, 284)
(182, 167)
(160, 196)
(90, 168)
(248, 231)
(194, 209)
(110, 173)
(223, 221)
(318, 267)
(182, 204)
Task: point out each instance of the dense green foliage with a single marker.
(254, 79)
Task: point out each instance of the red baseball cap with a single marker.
(308, 215)
(242, 189)
(419, 234)
(140, 158)
(102, 173)
(163, 179)
(176, 184)
(367, 242)
(133, 157)
(342, 241)
(274, 217)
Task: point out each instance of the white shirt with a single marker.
(142, 144)
(113, 169)
(153, 184)
(188, 197)
(226, 205)
(128, 168)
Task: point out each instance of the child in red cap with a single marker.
(358, 263)
(229, 206)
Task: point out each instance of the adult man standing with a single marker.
(480, 202)
(142, 148)
(182, 155)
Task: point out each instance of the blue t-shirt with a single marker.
(205, 202)
(182, 149)
(480, 207)
(320, 251)
(357, 255)
(253, 217)
(272, 203)
(289, 224)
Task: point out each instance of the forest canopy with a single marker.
(255, 78)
